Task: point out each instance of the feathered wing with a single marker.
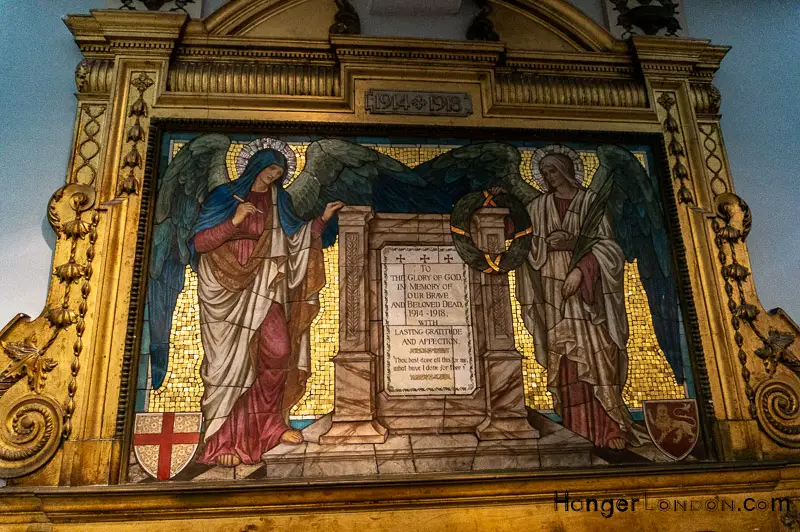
(339, 170)
(630, 198)
(477, 167)
(357, 175)
(196, 169)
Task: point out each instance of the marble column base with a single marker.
(405, 454)
(508, 428)
(354, 432)
(507, 416)
(354, 401)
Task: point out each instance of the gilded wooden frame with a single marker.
(555, 70)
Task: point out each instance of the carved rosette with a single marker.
(774, 402)
(136, 133)
(675, 147)
(36, 423)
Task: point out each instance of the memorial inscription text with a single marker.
(427, 322)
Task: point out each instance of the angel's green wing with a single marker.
(630, 199)
(340, 170)
(477, 167)
(358, 175)
(196, 169)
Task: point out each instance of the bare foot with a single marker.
(228, 460)
(616, 443)
(291, 436)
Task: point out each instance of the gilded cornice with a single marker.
(450, 53)
(205, 52)
(600, 64)
(204, 61)
(105, 33)
(696, 58)
(197, 43)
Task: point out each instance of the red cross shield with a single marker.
(165, 442)
(673, 425)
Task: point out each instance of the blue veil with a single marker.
(221, 204)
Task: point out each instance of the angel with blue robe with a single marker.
(260, 269)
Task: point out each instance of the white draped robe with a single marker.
(594, 337)
(229, 319)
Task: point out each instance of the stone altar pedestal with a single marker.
(426, 343)
(427, 378)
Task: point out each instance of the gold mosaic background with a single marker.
(182, 388)
(649, 373)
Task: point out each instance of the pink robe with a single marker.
(256, 422)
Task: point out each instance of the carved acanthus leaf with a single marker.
(26, 360)
(775, 344)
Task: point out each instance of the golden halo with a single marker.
(540, 153)
(267, 143)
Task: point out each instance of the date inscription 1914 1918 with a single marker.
(380, 101)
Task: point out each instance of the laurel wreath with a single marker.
(496, 263)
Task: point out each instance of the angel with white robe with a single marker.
(575, 310)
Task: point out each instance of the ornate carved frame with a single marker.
(64, 393)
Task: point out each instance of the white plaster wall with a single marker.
(758, 82)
